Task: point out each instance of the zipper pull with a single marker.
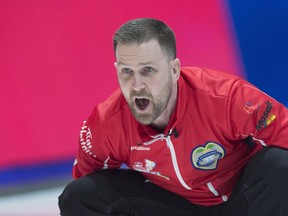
(173, 132)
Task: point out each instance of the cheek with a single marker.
(125, 88)
(163, 89)
(161, 84)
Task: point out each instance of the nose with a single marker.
(138, 83)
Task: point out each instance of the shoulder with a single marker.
(108, 116)
(208, 81)
(114, 105)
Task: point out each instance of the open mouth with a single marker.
(142, 103)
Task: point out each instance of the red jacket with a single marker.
(205, 146)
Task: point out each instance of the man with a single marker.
(187, 135)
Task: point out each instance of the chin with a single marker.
(145, 120)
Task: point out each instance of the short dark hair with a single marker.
(145, 29)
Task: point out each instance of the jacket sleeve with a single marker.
(94, 148)
(252, 113)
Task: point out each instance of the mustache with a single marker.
(141, 93)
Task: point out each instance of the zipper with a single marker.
(155, 138)
(175, 164)
(172, 152)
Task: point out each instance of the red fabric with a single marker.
(215, 112)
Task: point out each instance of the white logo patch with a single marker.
(148, 168)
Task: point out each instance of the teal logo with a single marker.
(207, 156)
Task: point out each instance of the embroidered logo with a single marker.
(148, 168)
(139, 148)
(206, 157)
(266, 118)
(86, 139)
(248, 107)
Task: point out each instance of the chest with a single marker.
(190, 157)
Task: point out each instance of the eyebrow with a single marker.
(140, 64)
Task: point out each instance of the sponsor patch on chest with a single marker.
(207, 156)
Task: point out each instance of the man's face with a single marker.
(145, 78)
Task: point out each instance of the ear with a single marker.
(176, 66)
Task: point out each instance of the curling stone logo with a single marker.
(206, 157)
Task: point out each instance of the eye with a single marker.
(148, 69)
(126, 70)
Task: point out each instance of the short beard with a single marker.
(148, 119)
(157, 104)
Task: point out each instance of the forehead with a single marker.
(149, 51)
